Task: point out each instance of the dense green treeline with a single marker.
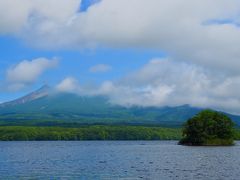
(19, 133)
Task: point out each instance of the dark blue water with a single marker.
(117, 160)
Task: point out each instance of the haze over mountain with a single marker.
(44, 107)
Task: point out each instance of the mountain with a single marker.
(42, 92)
(43, 107)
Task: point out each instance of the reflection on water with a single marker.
(117, 160)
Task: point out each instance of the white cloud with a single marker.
(28, 71)
(72, 85)
(178, 27)
(100, 68)
(17, 15)
(165, 82)
(69, 84)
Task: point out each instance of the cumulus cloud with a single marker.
(72, 85)
(100, 68)
(166, 82)
(69, 84)
(187, 30)
(162, 82)
(28, 71)
(17, 15)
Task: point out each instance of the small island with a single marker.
(208, 128)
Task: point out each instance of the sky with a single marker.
(136, 52)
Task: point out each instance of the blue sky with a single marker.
(146, 53)
(85, 4)
(74, 63)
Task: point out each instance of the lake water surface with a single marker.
(117, 160)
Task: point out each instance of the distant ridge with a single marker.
(40, 93)
(44, 107)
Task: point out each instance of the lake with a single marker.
(117, 160)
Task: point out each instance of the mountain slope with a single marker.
(42, 107)
(42, 92)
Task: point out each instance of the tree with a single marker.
(208, 128)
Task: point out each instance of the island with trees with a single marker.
(208, 128)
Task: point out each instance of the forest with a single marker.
(94, 132)
(98, 132)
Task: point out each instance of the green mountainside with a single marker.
(41, 108)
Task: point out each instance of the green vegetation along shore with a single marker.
(20, 133)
